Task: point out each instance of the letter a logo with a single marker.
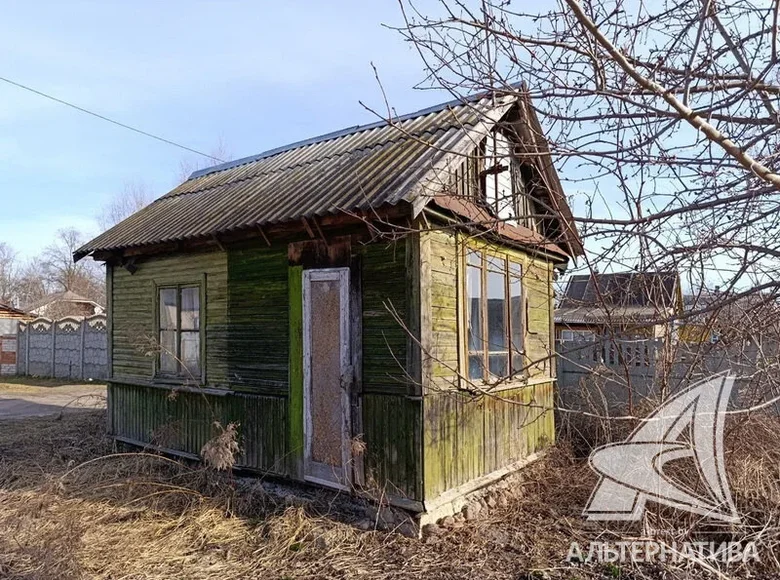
(688, 426)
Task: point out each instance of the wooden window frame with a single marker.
(464, 339)
(177, 377)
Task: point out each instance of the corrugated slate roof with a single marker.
(626, 289)
(606, 314)
(355, 170)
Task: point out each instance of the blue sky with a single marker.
(252, 74)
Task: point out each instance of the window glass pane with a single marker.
(168, 363)
(474, 301)
(490, 177)
(167, 308)
(498, 364)
(498, 335)
(474, 258)
(190, 308)
(516, 315)
(518, 180)
(476, 367)
(519, 190)
(190, 355)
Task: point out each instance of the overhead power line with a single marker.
(112, 121)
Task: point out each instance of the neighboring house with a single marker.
(10, 317)
(712, 317)
(9, 323)
(61, 304)
(333, 298)
(619, 305)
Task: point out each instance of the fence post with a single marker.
(27, 349)
(53, 348)
(81, 367)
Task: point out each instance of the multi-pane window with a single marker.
(495, 321)
(179, 328)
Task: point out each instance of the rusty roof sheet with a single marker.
(351, 170)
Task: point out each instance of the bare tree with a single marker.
(61, 273)
(8, 274)
(134, 196)
(30, 284)
(662, 117)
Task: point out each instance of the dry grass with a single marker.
(70, 507)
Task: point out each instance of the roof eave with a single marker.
(479, 217)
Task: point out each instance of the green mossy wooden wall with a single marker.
(258, 311)
(417, 446)
(133, 300)
(385, 341)
(391, 415)
(254, 341)
(184, 421)
(467, 437)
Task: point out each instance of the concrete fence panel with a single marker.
(620, 374)
(69, 348)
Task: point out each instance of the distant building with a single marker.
(720, 317)
(624, 304)
(66, 303)
(10, 317)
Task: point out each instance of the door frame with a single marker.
(340, 275)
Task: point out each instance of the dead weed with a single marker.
(70, 507)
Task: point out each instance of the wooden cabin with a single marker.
(354, 302)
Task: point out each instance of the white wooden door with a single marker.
(327, 376)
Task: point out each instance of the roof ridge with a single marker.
(344, 132)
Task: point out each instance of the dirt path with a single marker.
(30, 400)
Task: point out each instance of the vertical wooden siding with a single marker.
(391, 416)
(393, 435)
(133, 309)
(384, 338)
(466, 438)
(295, 405)
(258, 310)
(184, 421)
(250, 291)
(439, 254)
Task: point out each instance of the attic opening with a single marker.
(507, 184)
(506, 176)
